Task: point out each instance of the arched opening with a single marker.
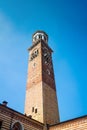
(17, 126)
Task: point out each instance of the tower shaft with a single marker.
(41, 99)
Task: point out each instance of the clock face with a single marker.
(47, 56)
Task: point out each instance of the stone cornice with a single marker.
(41, 42)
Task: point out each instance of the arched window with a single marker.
(37, 37)
(17, 126)
(43, 37)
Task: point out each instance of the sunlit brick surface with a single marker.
(76, 124)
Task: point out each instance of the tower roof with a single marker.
(39, 35)
(40, 31)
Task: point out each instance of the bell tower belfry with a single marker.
(41, 99)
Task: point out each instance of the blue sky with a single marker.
(65, 21)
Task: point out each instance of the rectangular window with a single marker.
(32, 109)
(36, 110)
(0, 124)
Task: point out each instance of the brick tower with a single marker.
(41, 99)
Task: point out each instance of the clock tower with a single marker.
(41, 100)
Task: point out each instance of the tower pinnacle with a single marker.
(40, 35)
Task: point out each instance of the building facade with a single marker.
(41, 105)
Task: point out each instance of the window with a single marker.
(34, 54)
(43, 37)
(32, 109)
(48, 71)
(37, 37)
(17, 126)
(36, 110)
(0, 124)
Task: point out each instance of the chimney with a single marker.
(30, 116)
(4, 103)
